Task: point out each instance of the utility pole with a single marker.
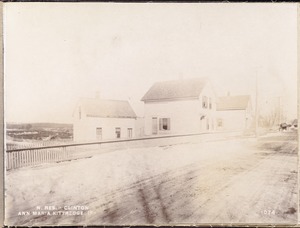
(280, 113)
(256, 103)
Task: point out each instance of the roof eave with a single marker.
(121, 117)
(171, 99)
(231, 109)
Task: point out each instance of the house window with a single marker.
(207, 124)
(79, 113)
(118, 132)
(99, 133)
(220, 122)
(129, 130)
(164, 124)
(204, 102)
(210, 103)
(154, 125)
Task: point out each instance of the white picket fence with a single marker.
(30, 157)
(31, 154)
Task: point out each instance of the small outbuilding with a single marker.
(234, 113)
(97, 119)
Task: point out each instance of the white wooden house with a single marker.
(180, 107)
(234, 113)
(98, 119)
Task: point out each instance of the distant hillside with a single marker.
(39, 131)
(38, 125)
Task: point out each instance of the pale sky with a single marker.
(56, 53)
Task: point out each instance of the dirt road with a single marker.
(244, 180)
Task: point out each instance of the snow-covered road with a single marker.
(244, 180)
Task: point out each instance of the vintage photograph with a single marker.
(151, 113)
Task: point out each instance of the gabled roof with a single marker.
(233, 103)
(177, 89)
(106, 108)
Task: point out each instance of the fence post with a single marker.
(63, 155)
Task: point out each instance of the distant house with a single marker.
(234, 113)
(97, 119)
(180, 107)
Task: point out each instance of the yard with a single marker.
(233, 180)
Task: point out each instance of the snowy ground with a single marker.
(244, 180)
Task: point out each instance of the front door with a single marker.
(202, 123)
(99, 133)
(129, 132)
(154, 125)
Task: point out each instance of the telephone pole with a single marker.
(256, 103)
(256, 106)
(280, 112)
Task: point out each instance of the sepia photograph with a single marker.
(150, 113)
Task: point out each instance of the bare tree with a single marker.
(269, 119)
